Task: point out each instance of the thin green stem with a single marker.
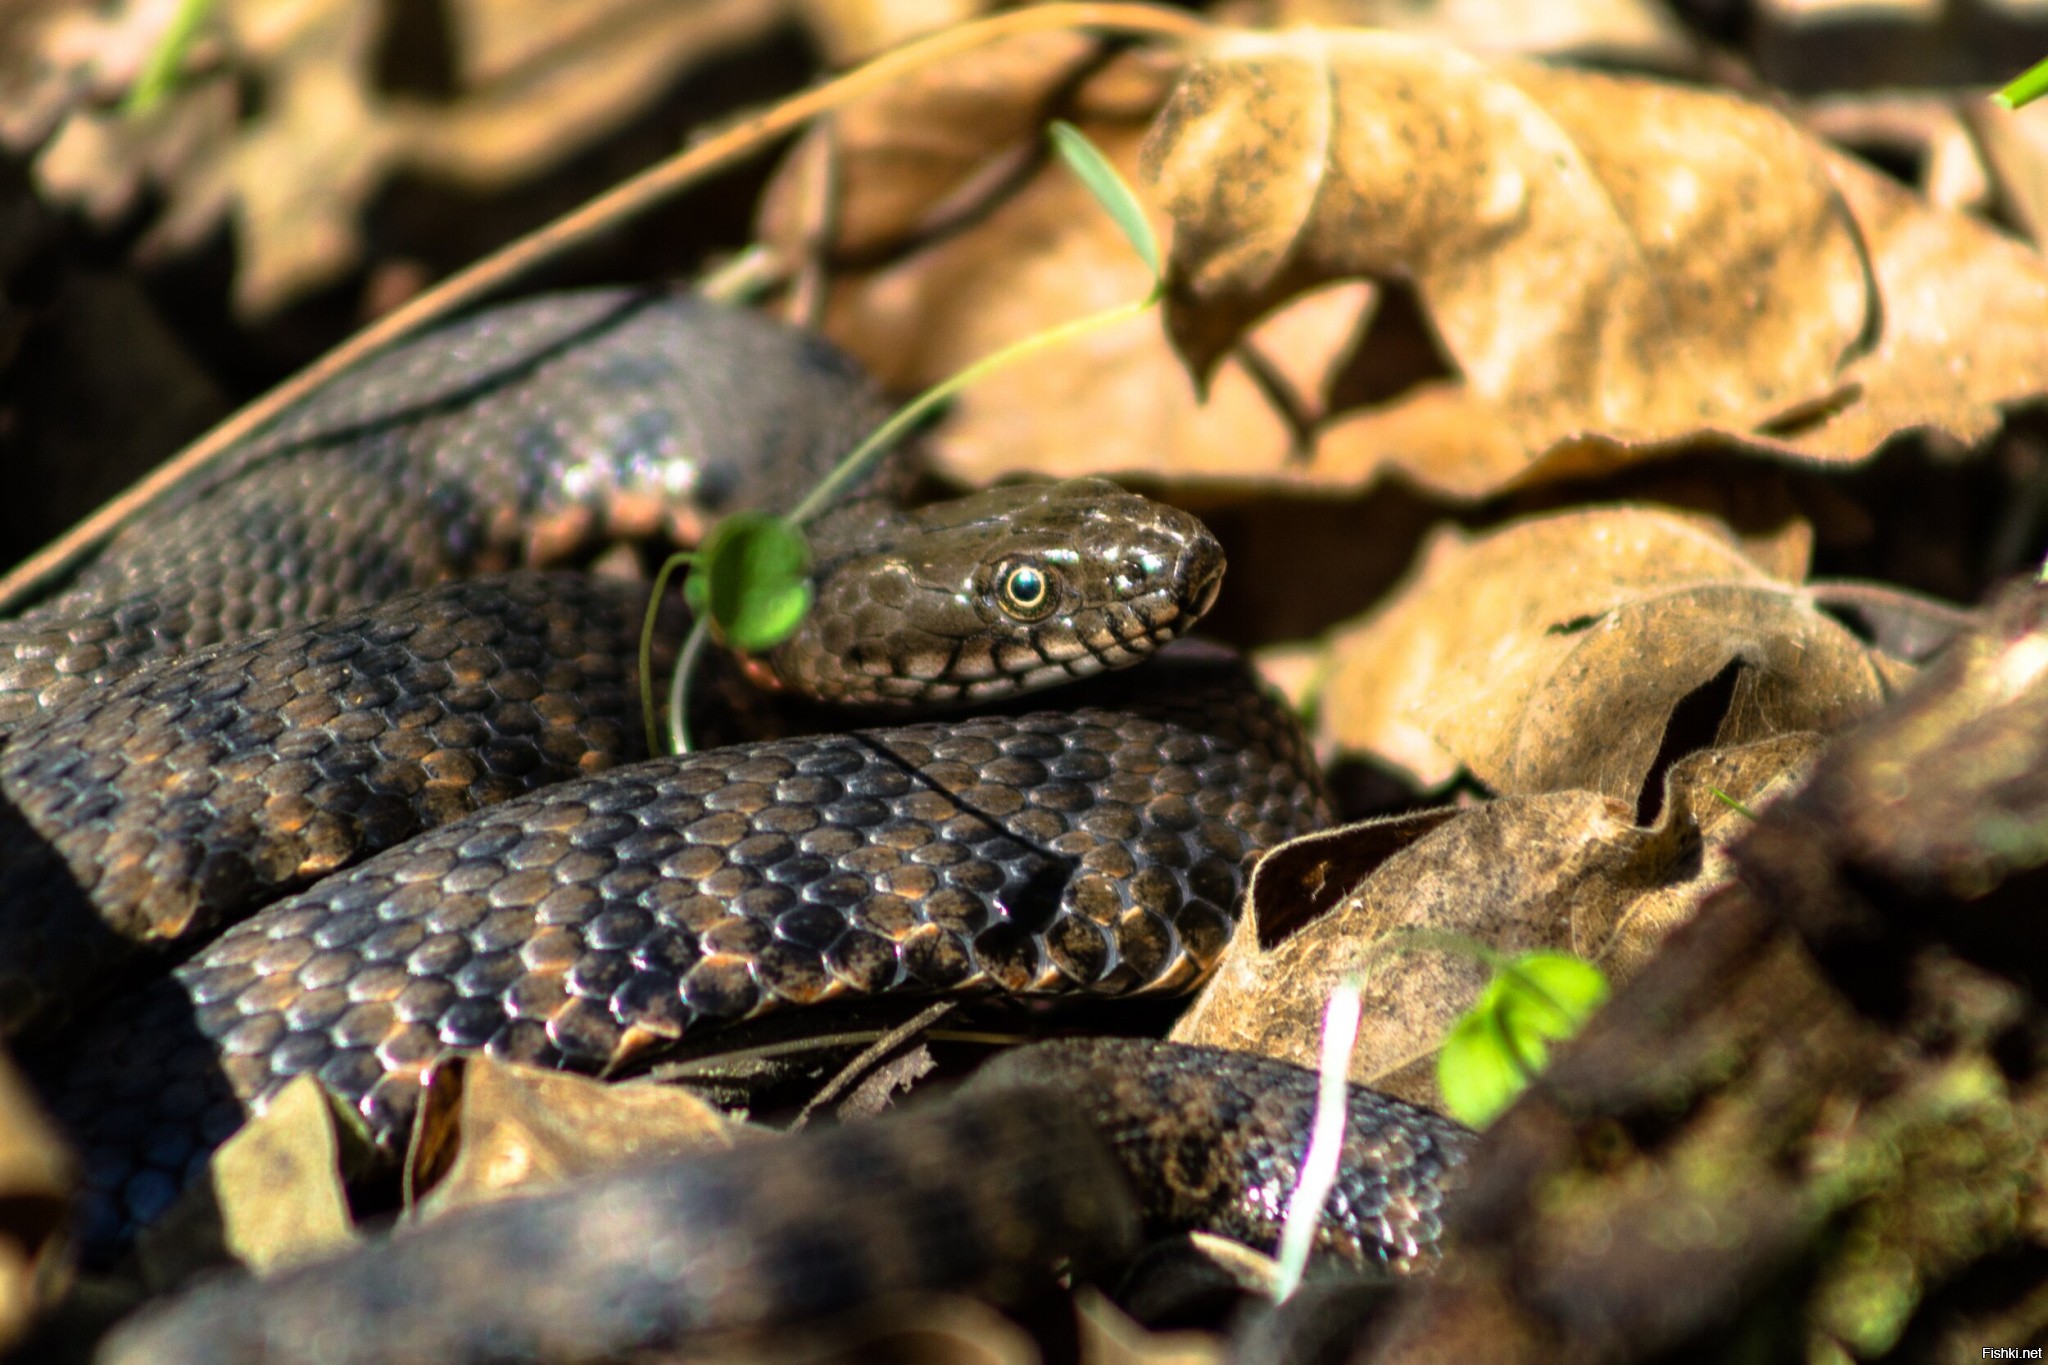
(668, 566)
(1731, 803)
(855, 466)
(679, 686)
(2024, 88)
(160, 72)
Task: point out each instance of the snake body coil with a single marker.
(163, 781)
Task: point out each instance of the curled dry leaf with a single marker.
(1571, 237)
(36, 1179)
(489, 1129)
(2014, 145)
(275, 1193)
(1620, 32)
(1566, 871)
(1960, 338)
(986, 241)
(1555, 653)
(1924, 131)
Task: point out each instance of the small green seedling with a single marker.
(1503, 1042)
(2024, 88)
(159, 74)
(749, 583)
(1491, 1054)
(1732, 804)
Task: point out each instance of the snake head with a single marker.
(998, 593)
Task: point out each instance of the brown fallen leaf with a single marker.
(1620, 32)
(534, 82)
(488, 1130)
(1570, 236)
(36, 1180)
(1960, 339)
(2014, 146)
(1001, 243)
(1924, 131)
(922, 151)
(1566, 871)
(849, 31)
(274, 1193)
(1554, 653)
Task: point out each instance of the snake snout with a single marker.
(1198, 574)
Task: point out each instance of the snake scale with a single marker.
(416, 815)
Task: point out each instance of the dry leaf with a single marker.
(1630, 32)
(948, 148)
(274, 1194)
(1570, 235)
(2014, 145)
(1566, 871)
(36, 1180)
(536, 82)
(849, 31)
(489, 1129)
(1926, 132)
(921, 150)
(1961, 337)
(1553, 654)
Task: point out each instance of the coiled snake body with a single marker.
(374, 789)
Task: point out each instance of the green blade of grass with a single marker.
(159, 73)
(2024, 88)
(1088, 163)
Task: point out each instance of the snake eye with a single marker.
(1025, 591)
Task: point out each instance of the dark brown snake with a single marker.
(236, 712)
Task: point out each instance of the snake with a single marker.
(326, 733)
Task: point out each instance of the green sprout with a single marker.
(1491, 1054)
(1503, 1042)
(2024, 88)
(1732, 804)
(749, 582)
(159, 74)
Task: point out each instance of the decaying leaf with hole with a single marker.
(1568, 871)
(275, 1192)
(489, 1129)
(36, 1180)
(1562, 652)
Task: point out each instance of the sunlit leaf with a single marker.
(752, 581)
(160, 73)
(1499, 1045)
